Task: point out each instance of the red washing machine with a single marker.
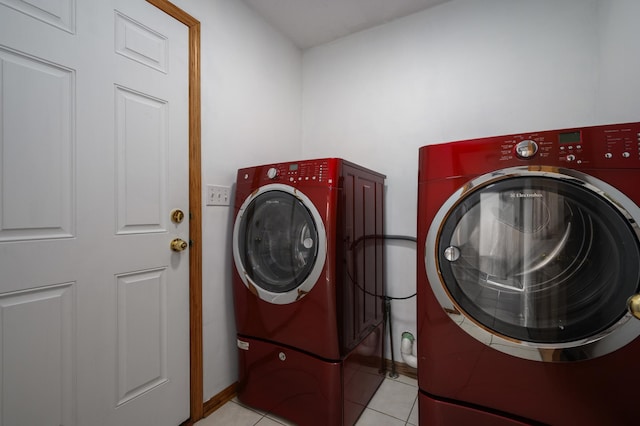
(528, 278)
(307, 282)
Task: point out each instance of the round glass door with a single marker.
(539, 262)
(279, 244)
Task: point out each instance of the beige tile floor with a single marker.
(394, 404)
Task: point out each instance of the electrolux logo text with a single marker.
(526, 195)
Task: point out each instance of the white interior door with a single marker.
(94, 307)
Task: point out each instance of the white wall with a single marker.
(251, 114)
(618, 89)
(464, 69)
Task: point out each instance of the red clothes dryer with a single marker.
(307, 282)
(528, 251)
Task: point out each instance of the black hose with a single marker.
(386, 322)
(387, 309)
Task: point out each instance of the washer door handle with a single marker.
(633, 305)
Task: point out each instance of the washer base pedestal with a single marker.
(435, 412)
(308, 390)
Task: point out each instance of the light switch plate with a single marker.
(218, 195)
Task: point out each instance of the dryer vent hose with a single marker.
(406, 350)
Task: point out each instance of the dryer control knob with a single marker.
(526, 149)
(272, 173)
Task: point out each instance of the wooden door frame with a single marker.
(195, 208)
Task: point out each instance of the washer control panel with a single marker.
(526, 149)
(615, 146)
(612, 146)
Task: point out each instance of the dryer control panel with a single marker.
(304, 171)
(320, 171)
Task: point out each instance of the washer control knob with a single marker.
(571, 157)
(626, 154)
(272, 173)
(526, 149)
(608, 155)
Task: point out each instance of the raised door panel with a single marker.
(59, 13)
(141, 140)
(37, 343)
(142, 333)
(36, 148)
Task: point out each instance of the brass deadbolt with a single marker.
(179, 244)
(177, 216)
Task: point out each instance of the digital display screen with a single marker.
(293, 167)
(569, 137)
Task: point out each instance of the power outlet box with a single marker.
(218, 195)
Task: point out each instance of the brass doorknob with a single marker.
(633, 305)
(179, 244)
